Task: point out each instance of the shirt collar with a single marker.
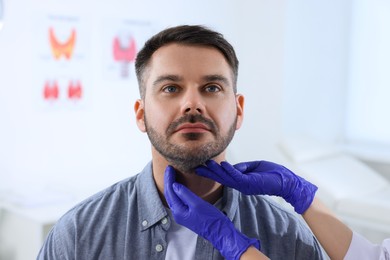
(151, 209)
(230, 202)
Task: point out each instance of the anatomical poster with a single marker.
(122, 39)
(60, 62)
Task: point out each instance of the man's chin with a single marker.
(189, 164)
(193, 136)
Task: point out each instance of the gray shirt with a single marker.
(129, 221)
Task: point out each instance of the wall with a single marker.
(316, 68)
(261, 50)
(317, 77)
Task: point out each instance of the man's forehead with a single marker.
(186, 52)
(184, 60)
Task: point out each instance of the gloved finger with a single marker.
(193, 201)
(205, 171)
(169, 179)
(267, 166)
(235, 176)
(224, 176)
(246, 167)
(186, 196)
(169, 175)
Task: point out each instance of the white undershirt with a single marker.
(181, 242)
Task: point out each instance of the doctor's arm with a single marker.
(334, 236)
(267, 178)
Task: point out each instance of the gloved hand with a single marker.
(204, 219)
(262, 177)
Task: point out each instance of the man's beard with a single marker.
(183, 158)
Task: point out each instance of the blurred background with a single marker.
(314, 74)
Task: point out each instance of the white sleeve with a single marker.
(385, 252)
(361, 248)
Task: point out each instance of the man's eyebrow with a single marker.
(216, 77)
(176, 78)
(168, 77)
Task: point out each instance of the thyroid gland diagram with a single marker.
(51, 90)
(124, 51)
(65, 48)
(73, 90)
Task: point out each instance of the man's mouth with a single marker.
(191, 124)
(192, 128)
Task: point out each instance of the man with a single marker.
(190, 110)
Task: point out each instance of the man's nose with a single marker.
(193, 103)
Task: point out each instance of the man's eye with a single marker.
(170, 89)
(213, 88)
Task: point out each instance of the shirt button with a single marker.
(144, 223)
(164, 221)
(159, 248)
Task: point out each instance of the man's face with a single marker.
(190, 111)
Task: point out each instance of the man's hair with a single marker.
(186, 35)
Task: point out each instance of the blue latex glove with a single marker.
(204, 219)
(262, 178)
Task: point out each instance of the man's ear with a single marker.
(140, 114)
(240, 110)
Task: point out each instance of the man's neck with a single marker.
(205, 188)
